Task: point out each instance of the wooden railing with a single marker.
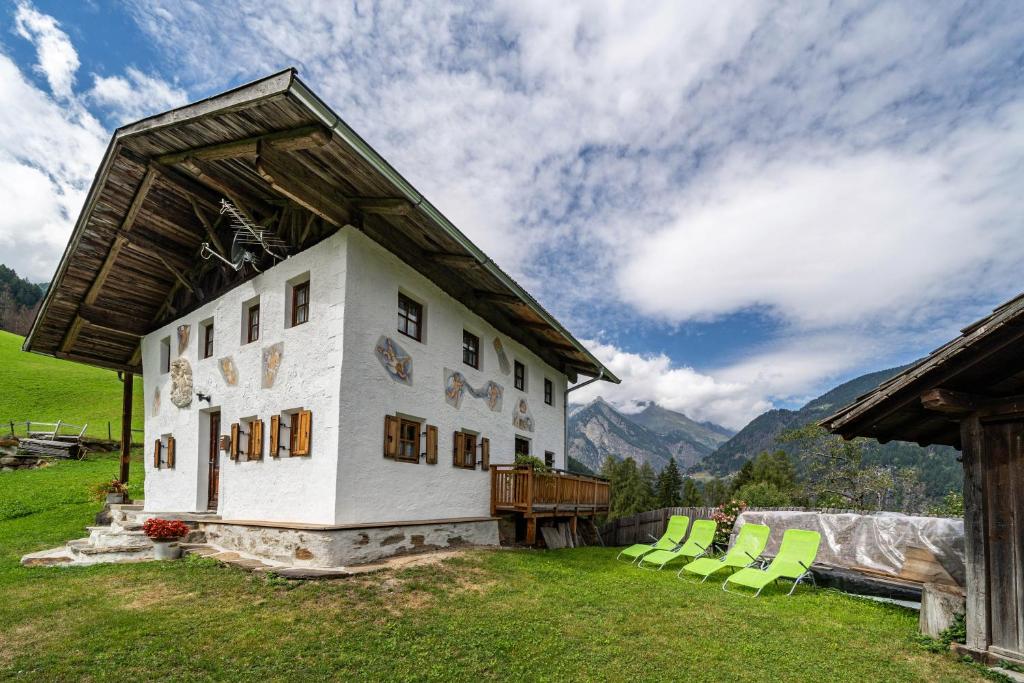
(522, 489)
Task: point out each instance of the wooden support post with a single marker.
(531, 530)
(972, 446)
(128, 380)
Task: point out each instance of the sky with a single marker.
(736, 205)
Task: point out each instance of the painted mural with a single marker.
(228, 370)
(181, 383)
(521, 417)
(155, 409)
(272, 357)
(394, 359)
(455, 386)
(183, 334)
(503, 363)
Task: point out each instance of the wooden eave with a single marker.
(271, 147)
(986, 363)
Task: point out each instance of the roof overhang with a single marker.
(269, 146)
(980, 369)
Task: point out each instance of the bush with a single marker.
(725, 516)
(764, 494)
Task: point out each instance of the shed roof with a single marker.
(986, 361)
(281, 155)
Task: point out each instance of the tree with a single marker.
(744, 476)
(776, 469)
(668, 486)
(692, 497)
(716, 492)
(632, 488)
(763, 494)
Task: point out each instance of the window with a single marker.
(519, 376)
(410, 317)
(522, 446)
(471, 349)
(409, 440)
(549, 392)
(300, 303)
(549, 458)
(165, 355)
(207, 340)
(252, 432)
(163, 452)
(464, 450)
(299, 425)
(253, 324)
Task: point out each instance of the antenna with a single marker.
(247, 234)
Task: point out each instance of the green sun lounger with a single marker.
(796, 554)
(749, 544)
(673, 536)
(702, 535)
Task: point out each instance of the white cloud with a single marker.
(135, 95)
(57, 58)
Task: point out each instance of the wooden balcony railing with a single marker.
(556, 492)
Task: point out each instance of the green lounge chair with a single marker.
(796, 554)
(702, 535)
(673, 536)
(749, 544)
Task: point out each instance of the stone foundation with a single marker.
(339, 547)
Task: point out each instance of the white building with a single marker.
(345, 393)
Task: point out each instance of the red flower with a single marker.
(165, 529)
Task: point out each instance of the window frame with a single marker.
(165, 355)
(519, 375)
(304, 306)
(549, 459)
(293, 430)
(549, 391)
(249, 327)
(468, 451)
(416, 443)
(208, 339)
(519, 440)
(473, 348)
(404, 316)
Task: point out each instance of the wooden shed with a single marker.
(969, 394)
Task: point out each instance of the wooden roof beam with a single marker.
(951, 402)
(96, 360)
(454, 260)
(499, 297)
(292, 179)
(242, 200)
(284, 141)
(383, 206)
(111, 321)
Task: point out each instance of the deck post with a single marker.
(128, 381)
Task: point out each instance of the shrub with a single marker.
(725, 516)
(101, 490)
(538, 464)
(164, 529)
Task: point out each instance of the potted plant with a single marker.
(114, 491)
(165, 533)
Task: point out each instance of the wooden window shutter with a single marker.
(305, 428)
(431, 445)
(256, 440)
(156, 454)
(459, 449)
(170, 452)
(275, 436)
(391, 433)
(234, 441)
(485, 454)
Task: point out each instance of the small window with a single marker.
(251, 434)
(549, 458)
(519, 376)
(293, 431)
(409, 441)
(300, 303)
(163, 452)
(471, 349)
(410, 317)
(208, 339)
(253, 324)
(165, 355)
(522, 446)
(464, 450)
(549, 392)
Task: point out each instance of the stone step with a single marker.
(84, 552)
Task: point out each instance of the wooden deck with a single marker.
(555, 493)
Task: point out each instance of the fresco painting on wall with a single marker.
(155, 409)
(228, 370)
(181, 383)
(521, 417)
(455, 385)
(503, 363)
(394, 359)
(272, 357)
(183, 333)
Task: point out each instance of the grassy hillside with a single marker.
(44, 389)
(566, 615)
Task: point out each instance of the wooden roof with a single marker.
(276, 151)
(925, 402)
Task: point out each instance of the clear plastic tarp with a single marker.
(920, 549)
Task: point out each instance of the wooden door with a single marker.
(1003, 460)
(213, 448)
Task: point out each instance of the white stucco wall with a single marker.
(296, 489)
(372, 488)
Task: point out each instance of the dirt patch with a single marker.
(148, 596)
(14, 638)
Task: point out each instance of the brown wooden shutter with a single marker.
(485, 454)
(156, 454)
(431, 445)
(305, 428)
(256, 440)
(234, 441)
(275, 436)
(170, 452)
(459, 449)
(392, 427)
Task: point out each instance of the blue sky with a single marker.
(738, 205)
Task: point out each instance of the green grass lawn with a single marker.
(491, 615)
(34, 387)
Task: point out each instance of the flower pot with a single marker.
(115, 498)
(166, 550)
